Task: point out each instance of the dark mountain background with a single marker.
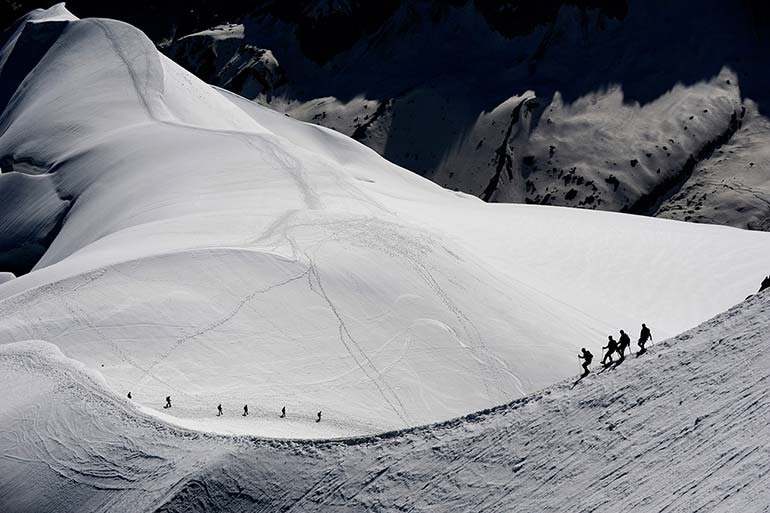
(160, 20)
(645, 106)
(338, 30)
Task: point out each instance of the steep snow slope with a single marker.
(681, 429)
(200, 246)
(635, 106)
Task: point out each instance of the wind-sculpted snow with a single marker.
(200, 246)
(680, 429)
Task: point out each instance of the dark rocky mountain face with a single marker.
(324, 28)
(643, 106)
(516, 18)
(160, 20)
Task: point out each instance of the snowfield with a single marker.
(681, 429)
(184, 241)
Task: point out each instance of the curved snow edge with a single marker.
(42, 350)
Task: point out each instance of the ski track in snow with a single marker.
(378, 379)
(682, 428)
(217, 324)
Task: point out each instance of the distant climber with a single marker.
(644, 336)
(245, 409)
(319, 417)
(623, 343)
(168, 402)
(765, 284)
(219, 410)
(283, 412)
(611, 347)
(587, 358)
(129, 395)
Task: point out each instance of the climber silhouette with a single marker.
(587, 358)
(129, 395)
(644, 336)
(219, 410)
(319, 417)
(611, 347)
(283, 412)
(623, 342)
(168, 402)
(245, 409)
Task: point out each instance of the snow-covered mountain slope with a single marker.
(201, 246)
(681, 429)
(649, 107)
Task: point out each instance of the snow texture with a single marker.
(216, 251)
(682, 428)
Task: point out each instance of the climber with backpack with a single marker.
(644, 336)
(623, 343)
(587, 358)
(611, 347)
